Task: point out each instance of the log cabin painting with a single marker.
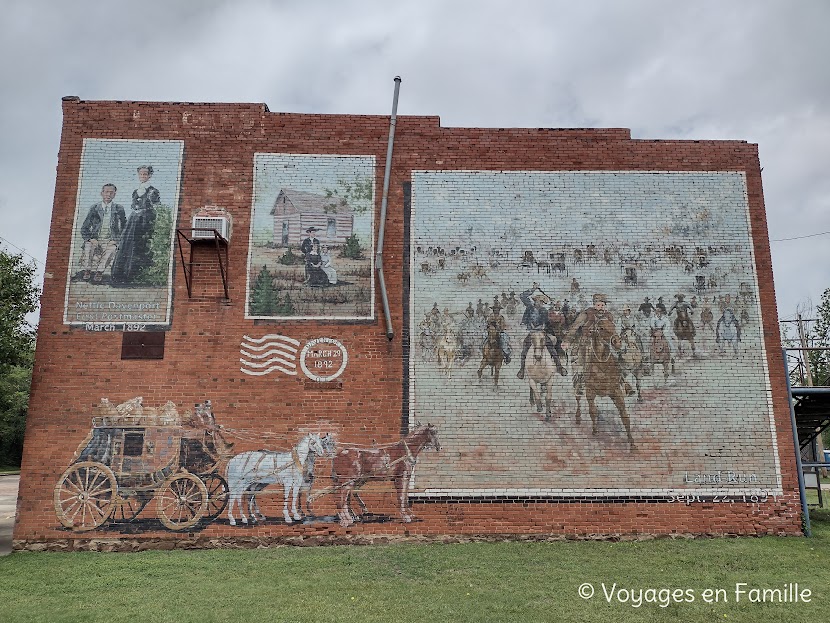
(312, 245)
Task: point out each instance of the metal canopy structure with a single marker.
(812, 412)
(810, 416)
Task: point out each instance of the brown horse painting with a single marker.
(492, 354)
(354, 467)
(601, 374)
(684, 329)
(661, 353)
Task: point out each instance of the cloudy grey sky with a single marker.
(753, 70)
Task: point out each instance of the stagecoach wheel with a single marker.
(181, 501)
(85, 495)
(217, 489)
(128, 508)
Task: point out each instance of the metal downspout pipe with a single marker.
(805, 511)
(390, 332)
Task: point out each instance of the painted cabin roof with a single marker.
(304, 202)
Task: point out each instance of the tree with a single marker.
(816, 331)
(820, 360)
(263, 296)
(286, 307)
(352, 248)
(18, 297)
(289, 258)
(14, 404)
(357, 194)
(157, 273)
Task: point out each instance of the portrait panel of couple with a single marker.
(123, 233)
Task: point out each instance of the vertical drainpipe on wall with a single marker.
(805, 511)
(390, 332)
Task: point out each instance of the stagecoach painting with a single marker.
(184, 471)
(134, 455)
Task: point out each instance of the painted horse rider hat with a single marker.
(311, 230)
(599, 297)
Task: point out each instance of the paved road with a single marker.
(8, 505)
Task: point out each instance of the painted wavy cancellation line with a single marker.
(268, 353)
(280, 346)
(268, 371)
(279, 360)
(272, 336)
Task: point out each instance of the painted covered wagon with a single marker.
(134, 456)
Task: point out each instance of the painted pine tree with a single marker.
(263, 296)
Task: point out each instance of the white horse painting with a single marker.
(446, 350)
(728, 331)
(253, 471)
(540, 370)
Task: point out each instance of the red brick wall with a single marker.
(75, 368)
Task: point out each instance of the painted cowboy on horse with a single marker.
(594, 321)
(684, 328)
(599, 373)
(535, 319)
(496, 348)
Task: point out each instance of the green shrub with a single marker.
(289, 258)
(352, 248)
(263, 296)
(156, 274)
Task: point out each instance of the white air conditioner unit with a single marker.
(203, 226)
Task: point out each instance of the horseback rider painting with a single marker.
(496, 348)
(498, 324)
(594, 323)
(599, 372)
(684, 328)
(535, 318)
(646, 307)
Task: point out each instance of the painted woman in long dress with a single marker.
(317, 277)
(134, 250)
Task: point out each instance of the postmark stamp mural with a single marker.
(588, 334)
(120, 268)
(311, 252)
(322, 359)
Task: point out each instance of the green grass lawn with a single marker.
(525, 582)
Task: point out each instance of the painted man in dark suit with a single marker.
(101, 232)
(307, 249)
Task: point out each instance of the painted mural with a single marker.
(588, 334)
(149, 468)
(120, 268)
(311, 252)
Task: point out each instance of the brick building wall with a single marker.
(692, 438)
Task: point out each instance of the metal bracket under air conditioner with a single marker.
(221, 245)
